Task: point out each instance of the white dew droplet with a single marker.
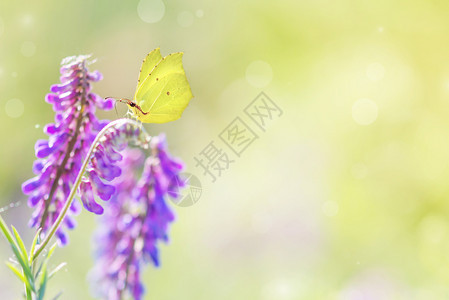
(151, 11)
(364, 111)
(330, 208)
(375, 71)
(14, 108)
(28, 49)
(259, 73)
(14, 74)
(185, 18)
(11, 205)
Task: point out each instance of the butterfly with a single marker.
(163, 91)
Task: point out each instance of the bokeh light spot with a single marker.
(2, 27)
(185, 19)
(259, 74)
(199, 13)
(14, 108)
(151, 11)
(28, 49)
(330, 208)
(375, 71)
(280, 289)
(364, 111)
(27, 20)
(446, 84)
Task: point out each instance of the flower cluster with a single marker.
(60, 157)
(135, 220)
(103, 160)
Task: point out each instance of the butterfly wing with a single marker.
(165, 93)
(148, 64)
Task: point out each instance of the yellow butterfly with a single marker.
(162, 91)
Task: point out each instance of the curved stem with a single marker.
(75, 186)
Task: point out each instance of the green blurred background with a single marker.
(345, 196)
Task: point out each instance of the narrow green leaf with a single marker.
(43, 284)
(20, 243)
(25, 267)
(43, 263)
(44, 273)
(19, 274)
(6, 231)
(33, 245)
(15, 248)
(59, 267)
(16, 271)
(43, 278)
(52, 249)
(38, 270)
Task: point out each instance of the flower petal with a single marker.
(104, 191)
(87, 197)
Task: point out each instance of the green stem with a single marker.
(72, 194)
(28, 293)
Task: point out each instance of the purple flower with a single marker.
(102, 160)
(135, 220)
(60, 157)
(103, 165)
